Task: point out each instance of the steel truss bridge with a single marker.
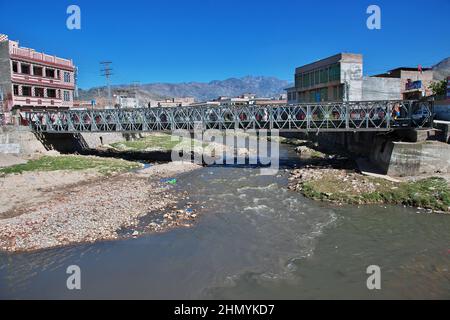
(314, 117)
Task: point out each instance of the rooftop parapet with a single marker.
(31, 54)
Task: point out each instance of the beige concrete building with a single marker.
(414, 82)
(205, 104)
(240, 101)
(234, 102)
(267, 101)
(340, 78)
(172, 102)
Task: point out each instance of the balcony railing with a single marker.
(31, 54)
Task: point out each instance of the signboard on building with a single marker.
(413, 85)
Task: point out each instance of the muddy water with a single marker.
(254, 239)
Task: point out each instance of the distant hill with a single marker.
(442, 69)
(201, 91)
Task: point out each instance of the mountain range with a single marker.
(260, 85)
(442, 69)
(201, 91)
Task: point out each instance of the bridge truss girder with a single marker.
(314, 117)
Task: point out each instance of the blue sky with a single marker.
(203, 40)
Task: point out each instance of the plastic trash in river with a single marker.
(172, 181)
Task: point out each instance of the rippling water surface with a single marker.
(254, 239)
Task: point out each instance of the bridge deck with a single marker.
(322, 117)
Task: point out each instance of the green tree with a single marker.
(439, 88)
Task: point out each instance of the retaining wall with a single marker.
(20, 141)
(407, 159)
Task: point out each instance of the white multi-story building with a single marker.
(126, 99)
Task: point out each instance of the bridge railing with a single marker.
(347, 116)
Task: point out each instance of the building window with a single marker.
(15, 67)
(25, 68)
(298, 82)
(338, 95)
(66, 96)
(50, 73)
(335, 72)
(16, 90)
(39, 92)
(324, 94)
(51, 93)
(26, 91)
(66, 76)
(37, 71)
(317, 77)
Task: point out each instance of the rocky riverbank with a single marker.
(340, 179)
(60, 207)
(344, 186)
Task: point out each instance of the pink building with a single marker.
(31, 80)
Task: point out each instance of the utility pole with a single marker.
(106, 72)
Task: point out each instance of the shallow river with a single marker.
(254, 239)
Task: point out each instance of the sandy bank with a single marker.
(49, 209)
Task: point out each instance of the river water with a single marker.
(254, 239)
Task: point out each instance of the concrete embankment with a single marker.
(20, 141)
(17, 145)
